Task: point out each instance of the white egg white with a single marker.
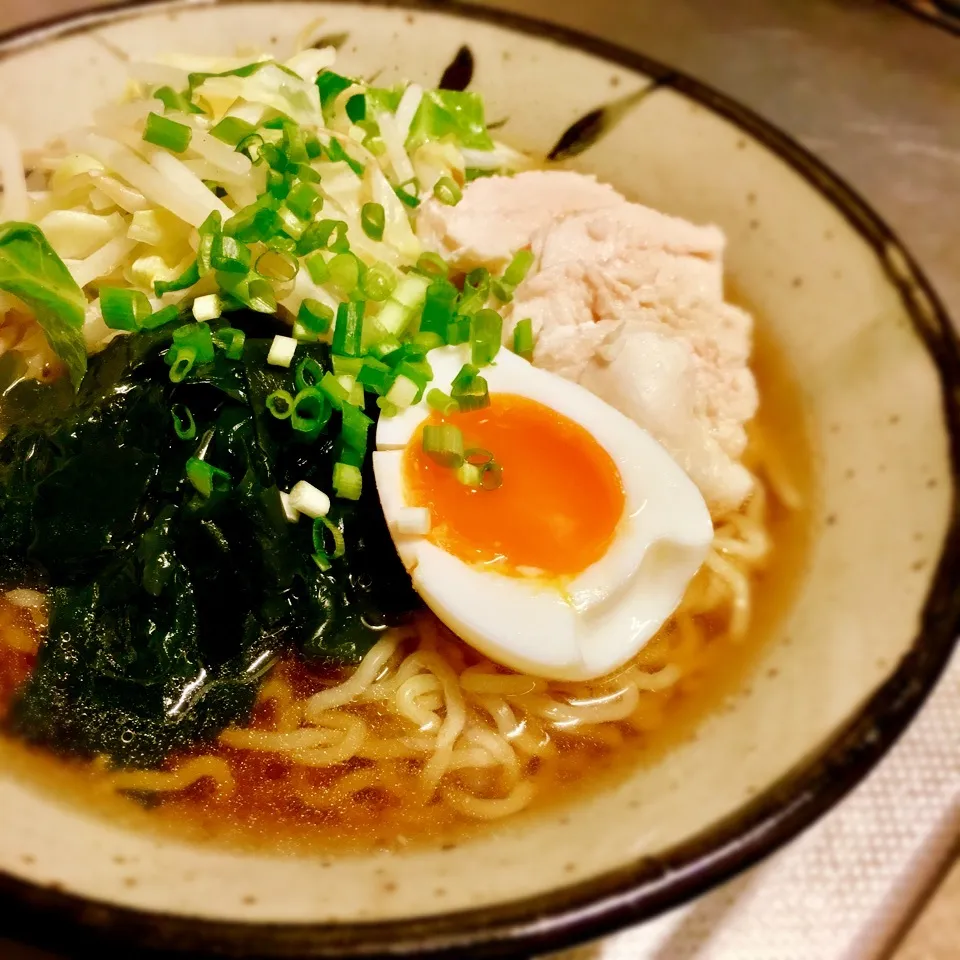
(596, 621)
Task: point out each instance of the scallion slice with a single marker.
(197, 337)
(523, 338)
(209, 231)
(448, 191)
(251, 147)
(324, 234)
(373, 220)
(123, 309)
(207, 307)
(161, 317)
(228, 254)
(334, 391)
(469, 389)
(378, 282)
(231, 130)
(432, 265)
(408, 192)
(336, 152)
(375, 375)
(486, 330)
(175, 102)
(345, 272)
(166, 133)
(347, 481)
(206, 478)
(443, 443)
(321, 527)
(280, 404)
(348, 332)
(311, 412)
(305, 498)
(355, 426)
(439, 401)
(491, 476)
(317, 268)
(231, 341)
(346, 366)
(304, 201)
(315, 317)
(282, 350)
(308, 374)
(519, 267)
(184, 425)
(277, 265)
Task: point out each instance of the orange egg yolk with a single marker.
(559, 503)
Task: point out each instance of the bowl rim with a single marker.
(52, 918)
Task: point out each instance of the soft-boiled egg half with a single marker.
(569, 566)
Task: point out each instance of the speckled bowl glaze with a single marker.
(851, 661)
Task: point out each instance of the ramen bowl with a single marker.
(863, 618)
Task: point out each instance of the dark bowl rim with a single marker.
(52, 918)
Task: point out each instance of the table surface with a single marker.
(875, 93)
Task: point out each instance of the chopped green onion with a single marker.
(439, 401)
(231, 341)
(355, 426)
(426, 341)
(229, 254)
(123, 309)
(447, 191)
(317, 268)
(261, 297)
(347, 481)
(166, 133)
(458, 330)
(417, 372)
(280, 404)
(519, 267)
(321, 526)
(206, 478)
(209, 231)
(186, 279)
(378, 282)
(476, 290)
(251, 147)
(184, 425)
(282, 350)
(305, 498)
(336, 153)
(384, 346)
(491, 476)
(345, 271)
(181, 360)
(407, 299)
(161, 317)
(403, 392)
(438, 308)
(469, 474)
(304, 201)
(409, 197)
(309, 373)
(346, 366)
(311, 412)
(231, 130)
(276, 265)
(208, 307)
(443, 443)
(486, 330)
(348, 332)
(387, 409)
(432, 265)
(197, 337)
(478, 456)
(321, 561)
(334, 391)
(315, 317)
(324, 234)
(373, 220)
(313, 147)
(469, 389)
(278, 186)
(374, 374)
(175, 102)
(330, 85)
(523, 338)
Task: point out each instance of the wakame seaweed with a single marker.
(168, 607)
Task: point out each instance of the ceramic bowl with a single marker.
(861, 643)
